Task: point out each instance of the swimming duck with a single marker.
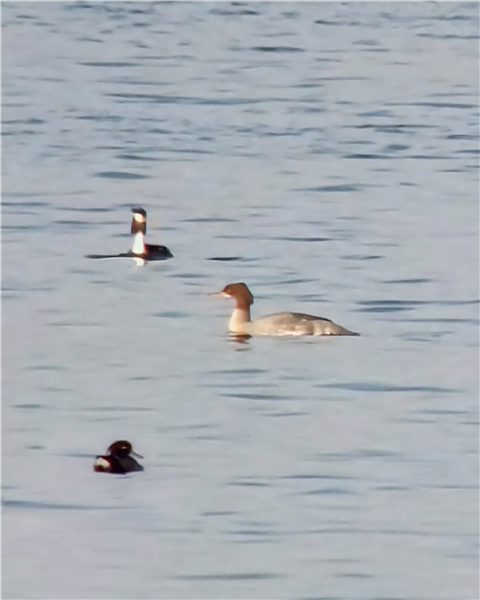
(139, 248)
(140, 252)
(284, 323)
(118, 459)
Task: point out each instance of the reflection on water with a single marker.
(325, 153)
(239, 339)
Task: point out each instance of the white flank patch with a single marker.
(101, 462)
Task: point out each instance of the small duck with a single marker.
(284, 323)
(139, 248)
(140, 252)
(118, 459)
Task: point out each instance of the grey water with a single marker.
(327, 155)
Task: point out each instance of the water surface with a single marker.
(327, 155)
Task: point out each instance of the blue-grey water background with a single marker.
(332, 149)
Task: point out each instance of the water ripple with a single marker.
(281, 49)
(382, 387)
(120, 175)
(49, 505)
(229, 577)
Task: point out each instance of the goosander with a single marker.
(140, 252)
(284, 323)
(118, 459)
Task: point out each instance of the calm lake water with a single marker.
(331, 151)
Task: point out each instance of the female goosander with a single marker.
(284, 323)
(118, 459)
(140, 252)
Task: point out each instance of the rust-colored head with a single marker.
(238, 291)
(122, 448)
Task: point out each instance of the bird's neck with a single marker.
(138, 243)
(240, 317)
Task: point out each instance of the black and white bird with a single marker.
(140, 251)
